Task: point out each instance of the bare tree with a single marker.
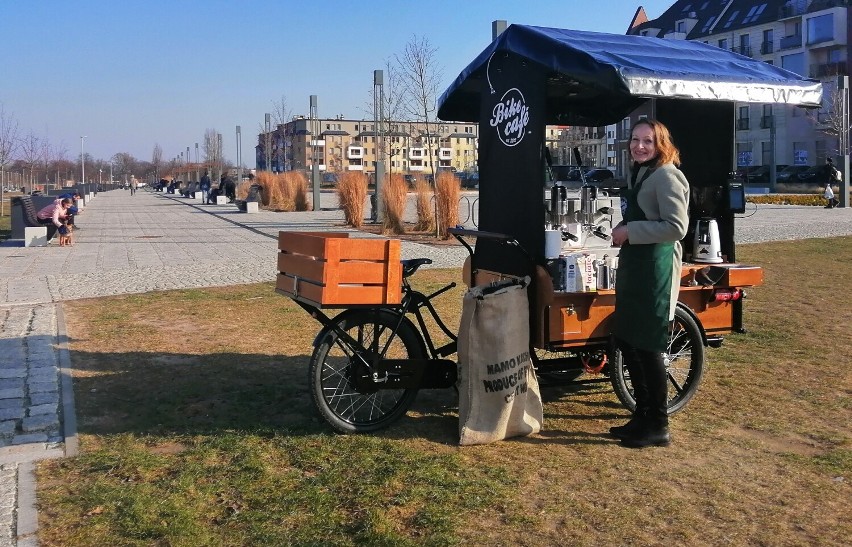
(8, 137)
(157, 159)
(8, 146)
(420, 75)
(281, 111)
(31, 151)
(829, 118)
(123, 164)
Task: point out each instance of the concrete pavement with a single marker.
(152, 241)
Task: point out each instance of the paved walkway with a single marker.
(154, 241)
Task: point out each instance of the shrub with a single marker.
(351, 192)
(789, 199)
(447, 193)
(394, 195)
(423, 202)
(275, 194)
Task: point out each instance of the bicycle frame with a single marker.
(432, 372)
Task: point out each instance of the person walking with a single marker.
(831, 175)
(649, 268)
(134, 184)
(204, 185)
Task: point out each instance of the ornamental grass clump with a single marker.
(423, 203)
(394, 195)
(351, 193)
(447, 194)
(297, 186)
(275, 195)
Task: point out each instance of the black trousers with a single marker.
(650, 382)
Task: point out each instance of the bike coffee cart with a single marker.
(370, 359)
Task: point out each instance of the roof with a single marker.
(334, 132)
(713, 17)
(597, 79)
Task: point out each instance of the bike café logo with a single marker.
(511, 116)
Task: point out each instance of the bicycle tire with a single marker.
(684, 360)
(332, 367)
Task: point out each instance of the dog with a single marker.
(66, 239)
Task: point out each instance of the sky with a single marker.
(129, 74)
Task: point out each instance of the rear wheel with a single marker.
(684, 360)
(340, 390)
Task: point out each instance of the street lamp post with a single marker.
(239, 157)
(82, 161)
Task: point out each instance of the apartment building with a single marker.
(337, 145)
(809, 38)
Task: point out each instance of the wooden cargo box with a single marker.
(331, 270)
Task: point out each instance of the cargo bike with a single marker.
(370, 360)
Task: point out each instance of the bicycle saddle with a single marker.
(410, 265)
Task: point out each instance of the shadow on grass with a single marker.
(166, 394)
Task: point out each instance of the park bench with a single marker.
(189, 191)
(25, 224)
(252, 201)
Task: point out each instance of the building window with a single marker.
(723, 43)
(821, 29)
(768, 45)
(766, 153)
(742, 118)
(800, 154)
(744, 154)
(794, 63)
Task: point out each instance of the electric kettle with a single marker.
(707, 248)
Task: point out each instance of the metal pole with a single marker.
(268, 142)
(82, 162)
(843, 89)
(239, 157)
(315, 177)
(378, 213)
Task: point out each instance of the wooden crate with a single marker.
(330, 270)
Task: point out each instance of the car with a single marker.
(758, 173)
(599, 175)
(814, 175)
(566, 173)
(791, 173)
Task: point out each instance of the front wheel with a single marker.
(684, 360)
(337, 371)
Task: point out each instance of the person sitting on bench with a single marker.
(53, 215)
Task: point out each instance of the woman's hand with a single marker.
(619, 235)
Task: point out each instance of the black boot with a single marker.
(652, 434)
(654, 429)
(631, 428)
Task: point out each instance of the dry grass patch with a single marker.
(447, 192)
(352, 193)
(394, 196)
(423, 203)
(202, 432)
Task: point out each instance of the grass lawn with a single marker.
(196, 428)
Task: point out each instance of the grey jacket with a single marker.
(664, 198)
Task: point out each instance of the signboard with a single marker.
(800, 157)
(744, 158)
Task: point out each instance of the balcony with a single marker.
(767, 47)
(355, 152)
(354, 167)
(742, 50)
(826, 70)
(742, 124)
(445, 153)
(416, 153)
(790, 42)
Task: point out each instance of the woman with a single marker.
(649, 266)
(53, 216)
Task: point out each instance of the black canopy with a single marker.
(595, 79)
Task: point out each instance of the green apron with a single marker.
(643, 289)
